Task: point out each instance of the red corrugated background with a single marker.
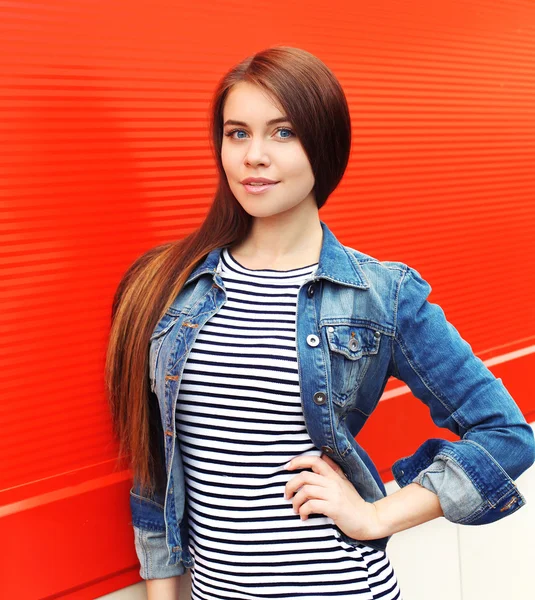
(103, 122)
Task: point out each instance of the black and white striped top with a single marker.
(239, 421)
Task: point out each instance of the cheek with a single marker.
(225, 160)
(229, 156)
(296, 164)
(301, 173)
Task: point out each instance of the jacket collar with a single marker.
(336, 263)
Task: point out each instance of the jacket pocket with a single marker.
(351, 348)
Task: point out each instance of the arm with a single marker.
(327, 490)
(408, 507)
(472, 477)
(150, 540)
(148, 520)
(163, 589)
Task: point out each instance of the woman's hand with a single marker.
(328, 491)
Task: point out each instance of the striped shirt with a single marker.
(239, 420)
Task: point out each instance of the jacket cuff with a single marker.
(471, 486)
(152, 553)
(458, 497)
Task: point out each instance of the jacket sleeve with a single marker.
(474, 476)
(149, 537)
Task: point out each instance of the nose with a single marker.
(256, 153)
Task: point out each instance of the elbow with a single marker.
(531, 446)
(512, 446)
(521, 451)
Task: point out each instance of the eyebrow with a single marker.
(284, 119)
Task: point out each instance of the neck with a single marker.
(275, 243)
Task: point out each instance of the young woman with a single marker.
(244, 359)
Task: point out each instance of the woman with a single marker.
(269, 345)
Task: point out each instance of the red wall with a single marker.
(105, 152)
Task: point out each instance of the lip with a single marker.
(257, 180)
(259, 189)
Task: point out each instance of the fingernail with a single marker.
(287, 465)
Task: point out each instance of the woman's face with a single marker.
(255, 148)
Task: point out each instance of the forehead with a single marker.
(250, 103)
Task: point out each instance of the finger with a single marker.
(301, 479)
(313, 462)
(314, 506)
(306, 493)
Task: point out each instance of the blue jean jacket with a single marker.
(359, 321)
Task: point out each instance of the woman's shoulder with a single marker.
(388, 274)
(386, 267)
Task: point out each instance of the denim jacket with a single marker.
(359, 321)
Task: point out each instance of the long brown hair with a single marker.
(315, 103)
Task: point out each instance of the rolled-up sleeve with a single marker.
(473, 476)
(150, 539)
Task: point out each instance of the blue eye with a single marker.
(284, 137)
(286, 129)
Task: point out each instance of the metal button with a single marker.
(331, 329)
(320, 398)
(327, 449)
(313, 340)
(310, 290)
(353, 344)
(376, 334)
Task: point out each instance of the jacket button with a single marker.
(327, 449)
(310, 290)
(320, 398)
(313, 340)
(376, 334)
(353, 344)
(331, 329)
